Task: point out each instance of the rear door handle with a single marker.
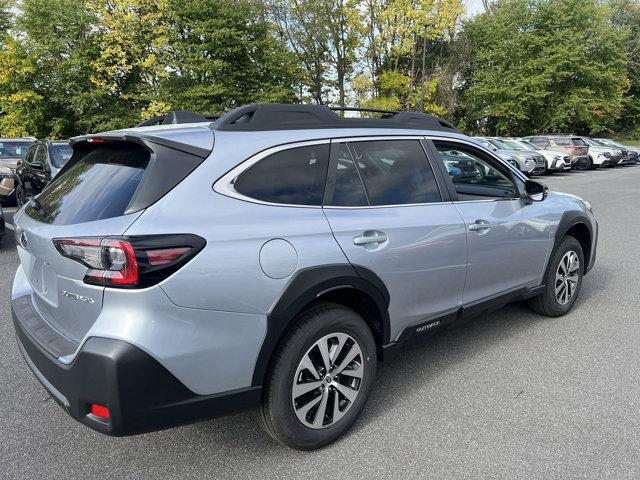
(370, 237)
(480, 226)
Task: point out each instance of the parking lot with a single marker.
(512, 395)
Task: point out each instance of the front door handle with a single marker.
(480, 226)
(370, 237)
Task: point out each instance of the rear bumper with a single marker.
(139, 392)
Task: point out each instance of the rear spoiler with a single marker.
(170, 161)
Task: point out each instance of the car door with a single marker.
(508, 239)
(388, 214)
(24, 170)
(39, 170)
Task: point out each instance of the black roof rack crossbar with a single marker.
(176, 117)
(281, 116)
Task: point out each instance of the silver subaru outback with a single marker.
(270, 259)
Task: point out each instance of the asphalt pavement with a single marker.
(508, 396)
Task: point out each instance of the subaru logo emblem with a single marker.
(23, 239)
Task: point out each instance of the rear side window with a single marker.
(395, 172)
(98, 186)
(295, 176)
(578, 142)
(60, 153)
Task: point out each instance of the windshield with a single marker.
(500, 144)
(14, 149)
(484, 143)
(593, 142)
(606, 143)
(60, 153)
(520, 146)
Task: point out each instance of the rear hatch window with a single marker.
(578, 142)
(98, 186)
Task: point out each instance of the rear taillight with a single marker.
(130, 262)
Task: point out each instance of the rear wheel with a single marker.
(320, 378)
(563, 280)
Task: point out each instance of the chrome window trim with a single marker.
(224, 185)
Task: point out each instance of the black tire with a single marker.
(547, 302)
(277, 413)
(21, 196)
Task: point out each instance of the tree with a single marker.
(224, 54)
(544, 65)
(46, 68)
(401, 38)
(625, 15)
(133, 40)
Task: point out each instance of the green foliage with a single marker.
(76, 66)
(224, 55)
(544, 65)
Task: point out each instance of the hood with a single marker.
(11, 162)
(505, 154)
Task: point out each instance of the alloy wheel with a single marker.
(567, 277)
(327, 380)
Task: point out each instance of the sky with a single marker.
(473, 7)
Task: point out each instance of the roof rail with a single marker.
(176, 117)
(284, 116)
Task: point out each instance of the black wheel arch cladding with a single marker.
(569, 220)
(304, 288)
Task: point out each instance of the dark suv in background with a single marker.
(41, 164)
(12, 151)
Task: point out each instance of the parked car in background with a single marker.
(460, 167)
(2, 228)
(505, 155)
(137, 311)
(12, 151)
(41, 164)
(554, 161)
(633, 153)
(529, 162)
(604, 156)
(571, 145)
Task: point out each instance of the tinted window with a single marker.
(60, 153)
(29, 156)
(40, 157)
(348, 190)
(473, 175)
(541, 141)
(100, 185)
(562, 141)
(395, 172)
(578, 142)
(295, 176)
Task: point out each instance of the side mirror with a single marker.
(535, 191)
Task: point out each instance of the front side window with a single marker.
(474, 175)
(295, 176)
(395, 172)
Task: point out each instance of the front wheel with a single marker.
(320, 378)
(563, 280)
(21, 196)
